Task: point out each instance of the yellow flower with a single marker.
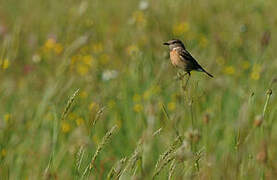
(74, 59)
(138, 108)
(139, 18)
(58, 48)
(220, 61)
(82, 69)
(147, 94)
(7, 117)
(111, 103)
(203, 41)
(50, 43)
(136, 98)
(255, 75)
(92, 106)
(245, 65)
(65, 127)
(132, 50)
(118, 123)
(230, 70)
(95, 139)
(171, 106)
(87, 60)
(6, 64)
(83, 94)
(181, 28)
(79, 121)
(3, 152)
(97, 48)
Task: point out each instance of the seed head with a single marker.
(262, 154)
(258, 121)
(206, 118)
(193, 135)
(269, 92)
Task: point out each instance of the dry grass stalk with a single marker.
(171, 169)
(167, 153)
(79, 158)
(117, 169)
(185, 85)
(183, 152)
(163, 164)
(104, 141)
(165, 112)
(97, 116)
(260, 119)
(69, 104)
(157, 132)
(133, 159)
(268, 95)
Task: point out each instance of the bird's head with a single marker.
(174, 43)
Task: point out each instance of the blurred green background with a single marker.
(112, 52)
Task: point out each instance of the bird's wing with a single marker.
(186, 56)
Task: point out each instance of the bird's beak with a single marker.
(166, 43)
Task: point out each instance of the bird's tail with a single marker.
(203, 70)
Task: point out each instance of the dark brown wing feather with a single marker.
(187, 57)
(192, 64)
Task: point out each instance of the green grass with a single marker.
(130, 117)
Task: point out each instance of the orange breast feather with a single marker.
(176, 59)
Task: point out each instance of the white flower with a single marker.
(36, 58)
(109, 74)
(143, 5)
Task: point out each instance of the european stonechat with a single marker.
(181, 58)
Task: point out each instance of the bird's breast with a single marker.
(176, 59)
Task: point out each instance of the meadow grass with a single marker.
(87, 90)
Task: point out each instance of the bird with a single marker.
(182, 59)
